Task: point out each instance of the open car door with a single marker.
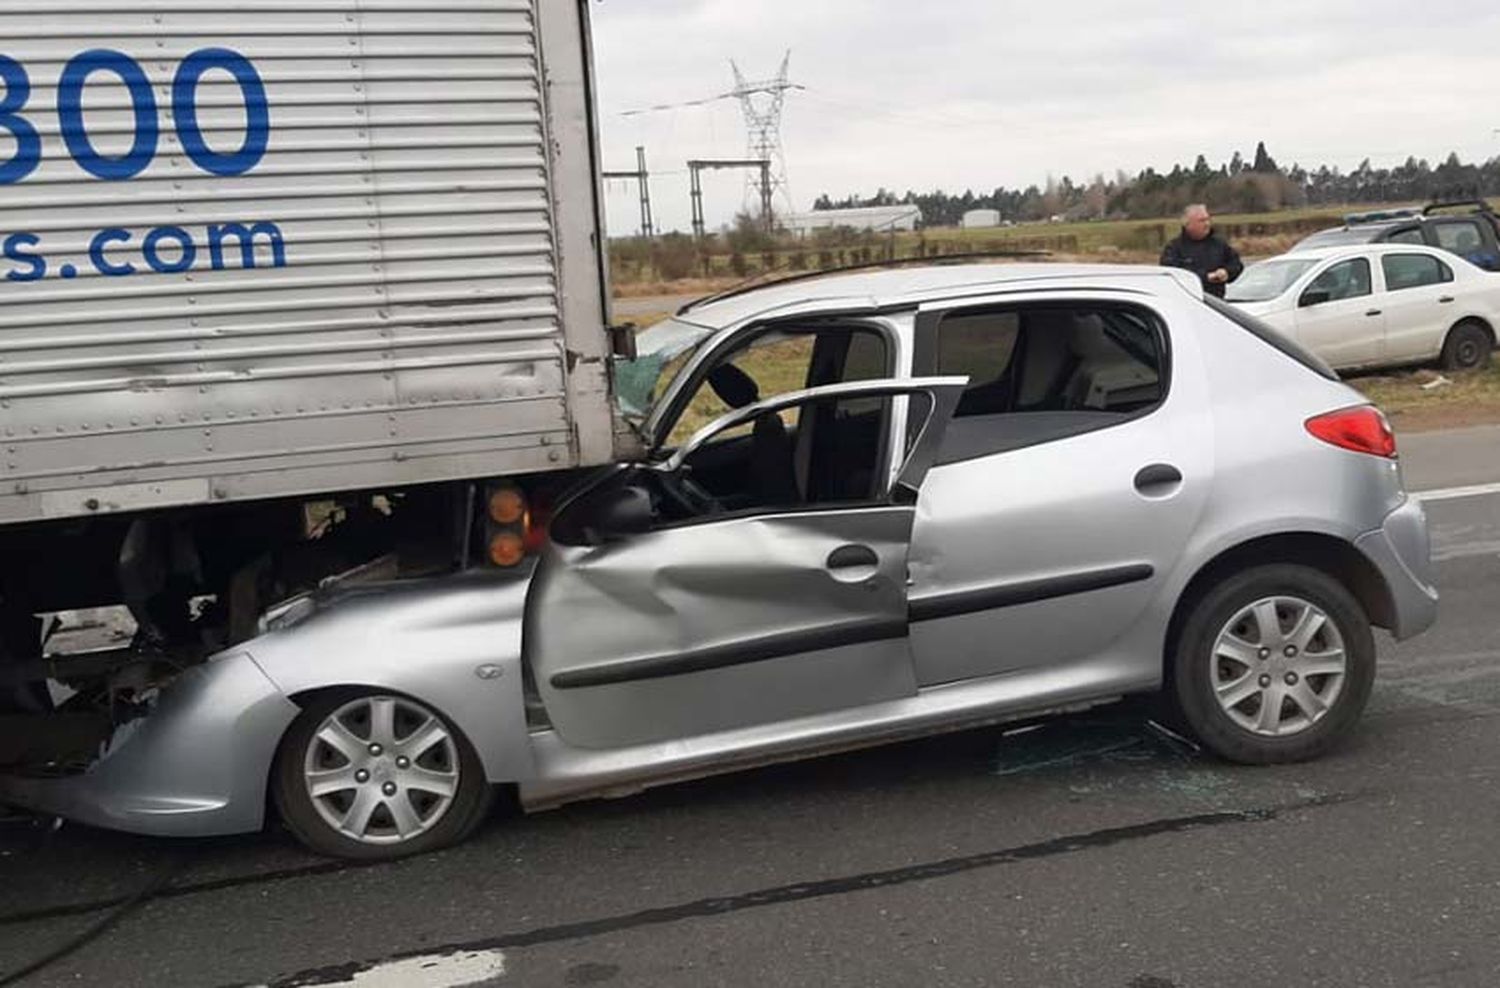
(657, 612)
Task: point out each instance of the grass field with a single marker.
(1144, 235)
(1129, 241)
(1420, 401)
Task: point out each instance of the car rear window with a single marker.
(1340, 237)
(1459, 236)
(1269, 335)
(1403, 271)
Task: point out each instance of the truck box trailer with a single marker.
(289, 286)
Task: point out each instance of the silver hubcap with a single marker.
(381, 770)
(1278, 666)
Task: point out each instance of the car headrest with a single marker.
(734, 387)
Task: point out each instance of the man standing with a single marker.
(1202, 252)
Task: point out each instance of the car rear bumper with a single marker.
(1402, 551)
(196, 766)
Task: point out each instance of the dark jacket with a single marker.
(1201, 257)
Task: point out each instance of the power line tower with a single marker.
(761, 103)
(643, 181)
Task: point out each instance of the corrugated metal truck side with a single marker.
(270, 268)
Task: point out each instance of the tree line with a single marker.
(1236, 186)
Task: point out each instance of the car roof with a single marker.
(1375, 227)
(910, 286)
(1326, 253)
(1370, 228)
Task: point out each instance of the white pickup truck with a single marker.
(291, 288)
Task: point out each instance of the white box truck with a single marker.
(287, 288)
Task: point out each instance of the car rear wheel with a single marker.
(1468, 347)
(1274, 665)
(371, 776)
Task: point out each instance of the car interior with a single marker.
(1037, 374)
(820, 452)
(1463, 237)
(1045, 373)
(1347, 279)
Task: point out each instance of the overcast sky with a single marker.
(978, 93)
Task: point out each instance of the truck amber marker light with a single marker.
(507, 524)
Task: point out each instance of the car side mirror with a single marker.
(1315, 296)
(624, 512)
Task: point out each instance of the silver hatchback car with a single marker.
(868, 507)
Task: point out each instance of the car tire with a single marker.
(416, 783)
(1468, 347)
(1253, 685)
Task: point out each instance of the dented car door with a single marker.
(732, 620)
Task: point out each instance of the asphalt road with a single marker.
(1092, 851)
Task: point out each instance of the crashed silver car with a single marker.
(872, 506)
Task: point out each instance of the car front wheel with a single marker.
(371, 776)
(1274, 664)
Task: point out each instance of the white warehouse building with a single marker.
(978, 219)
(877, 218)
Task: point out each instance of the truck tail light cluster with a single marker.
(507, 523)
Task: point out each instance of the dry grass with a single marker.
(645, 320)
(1061, 245)
(1125, 241)
(1418, 401)
(684, 286)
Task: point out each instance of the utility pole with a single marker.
(695, 171)
(648, 226)
(643, 180)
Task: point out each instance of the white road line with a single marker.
(1455, 493)
(473, 967)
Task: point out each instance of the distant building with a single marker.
(880, 219)
(980, 219)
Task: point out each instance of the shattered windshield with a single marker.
(661, 353)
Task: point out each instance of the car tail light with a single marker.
(1360, 430)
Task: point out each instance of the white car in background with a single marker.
(1373, 305)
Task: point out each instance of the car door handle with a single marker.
(854, 564)
(1157, 477)
(852, 556)
(1445, 300)
(1373, 312)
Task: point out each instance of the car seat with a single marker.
(773, 475)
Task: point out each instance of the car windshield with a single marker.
(661, 354)
(1268, 279)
